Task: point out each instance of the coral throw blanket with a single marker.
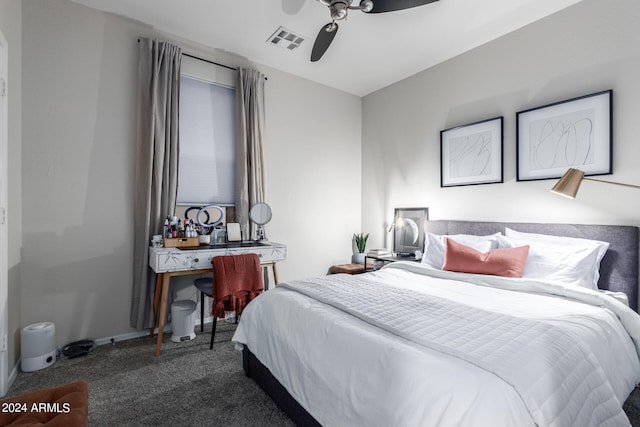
(237, 279)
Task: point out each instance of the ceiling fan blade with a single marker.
(380, 6)
(324, 39)
(292, 7)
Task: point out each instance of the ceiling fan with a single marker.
(339, 10)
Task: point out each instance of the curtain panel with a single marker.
(250, 135)
(156, 177)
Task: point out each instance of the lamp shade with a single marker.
(569, 183)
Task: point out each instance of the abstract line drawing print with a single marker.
(470, 155)
(562, 141)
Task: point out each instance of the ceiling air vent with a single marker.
(285, 39)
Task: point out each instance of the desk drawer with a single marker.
(163, 260)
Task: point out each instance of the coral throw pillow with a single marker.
(506, 262)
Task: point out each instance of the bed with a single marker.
(411, 344)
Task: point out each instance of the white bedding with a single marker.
(346, 371)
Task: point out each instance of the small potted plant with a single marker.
(361, 243)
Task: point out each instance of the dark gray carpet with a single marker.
(188, 385)
(632, 407)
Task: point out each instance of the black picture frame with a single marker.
(472, 154)
(574, 133)
(409, 228)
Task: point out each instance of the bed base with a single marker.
(254, 369)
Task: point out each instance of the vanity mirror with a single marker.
(260, 214)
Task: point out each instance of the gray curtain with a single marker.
(156, 181)
(250, 164)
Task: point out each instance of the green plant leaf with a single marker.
(361, 241)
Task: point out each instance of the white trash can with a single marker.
(183, 320)
(38, 346)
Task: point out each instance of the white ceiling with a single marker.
(369, 52)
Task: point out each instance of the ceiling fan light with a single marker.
(331, 27)
(339, 10)
(366, 5)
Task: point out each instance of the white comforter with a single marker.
(348, 370)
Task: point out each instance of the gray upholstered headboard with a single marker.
(618, 269)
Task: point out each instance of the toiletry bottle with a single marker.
(167, 228)
(180, 229)
(187, 228)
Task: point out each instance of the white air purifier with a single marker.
(38, 344)
(183, 320)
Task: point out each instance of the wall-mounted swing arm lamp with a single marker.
(570, 182)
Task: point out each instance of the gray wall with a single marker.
(586, 48)
(79, 83)
(11, 27)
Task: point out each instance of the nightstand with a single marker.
(347, 268)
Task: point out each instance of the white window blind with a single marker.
(207, 143)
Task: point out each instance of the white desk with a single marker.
(173, 262)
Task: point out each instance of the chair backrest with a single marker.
(236, 280)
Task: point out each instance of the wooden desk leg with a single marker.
(275, 273)
(156, 300)
(166, 281)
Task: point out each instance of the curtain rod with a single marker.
(210, 62)
(214, 63)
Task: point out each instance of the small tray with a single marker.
(181, 242)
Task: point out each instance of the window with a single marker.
(206, 170)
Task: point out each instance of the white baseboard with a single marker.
(139, 334)
(12, 377)
(103, 341)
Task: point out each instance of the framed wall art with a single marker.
(576, 133)
(472, 154)
(409, 228)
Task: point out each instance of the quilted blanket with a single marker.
(563, 385)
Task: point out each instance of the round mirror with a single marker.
(260, 213)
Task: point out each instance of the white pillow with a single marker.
(565, 241)
(435, 246)
(560, 259)
(568, 242)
